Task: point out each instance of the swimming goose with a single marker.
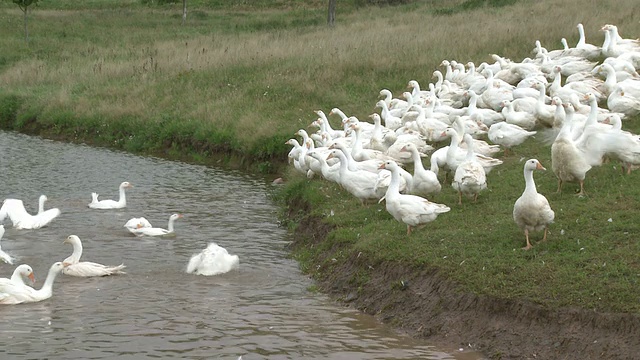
(19, 274)
(74, 267)
(153, 231)
(111, 204)
(532, 211)
(14, 293)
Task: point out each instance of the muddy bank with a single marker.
(424, 304)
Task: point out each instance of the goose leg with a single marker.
(582, 192)
(559, 185)
(544, 238)
(408, 229)
(459, 198)
(526, 235)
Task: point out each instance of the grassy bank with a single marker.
(240, 79)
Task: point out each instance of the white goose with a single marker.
(14, 293)
(153, 231)
(360, 183)
(111, 204)
(18, 275)
(532, 211)
(470, 177)
(75, 267)
(411, 210)
(137, 223)
(425, 181)
(213, 260)
(21, 219)
(3, 255)
(567, 161)
(508, 135)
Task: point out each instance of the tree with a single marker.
(332, 12)
(184, 11)
(24, 6)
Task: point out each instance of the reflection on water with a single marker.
(261, 311)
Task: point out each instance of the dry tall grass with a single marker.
(262, 83)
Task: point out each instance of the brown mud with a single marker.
(424, 304)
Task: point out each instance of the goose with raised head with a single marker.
(325, 125)
(411, 210)
(14, 293)
(155, 231)
(21, 219)
(523, 119)
(455, 154)
(544, 113)
(589, 51)
(3, 255)
(532, 212)
(360, 183)
(469, 178)
(74, 267)
(213, 260)
(20, 273)
(567, 161)
(425, 181)
(111, 204)
(353, 165)
(329, 172)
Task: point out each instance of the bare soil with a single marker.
(424, 304)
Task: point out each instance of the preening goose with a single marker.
(532, 211)
(152, 231)
(213, 260)
(111, 204)
(137, 223)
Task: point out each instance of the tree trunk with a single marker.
(332, 12)
(184, 12)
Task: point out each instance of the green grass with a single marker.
(242, 76)
(590, 259)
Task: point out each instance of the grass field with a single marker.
(241, 77)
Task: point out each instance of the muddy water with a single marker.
(261, 311)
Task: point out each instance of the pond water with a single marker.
(263, 310)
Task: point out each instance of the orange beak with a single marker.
(32, 278)
(381, 166)
(65, 264)
(540, 167)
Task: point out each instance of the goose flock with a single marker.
(574, 99)
(213, 260)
